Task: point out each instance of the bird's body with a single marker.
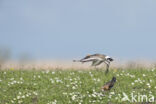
(109, 84)
(96, 60)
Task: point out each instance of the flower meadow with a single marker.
(75, 86)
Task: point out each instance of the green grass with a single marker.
(73, 86)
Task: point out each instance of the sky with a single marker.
(67, 29)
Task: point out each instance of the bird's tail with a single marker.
(76, 60)
(83, 60)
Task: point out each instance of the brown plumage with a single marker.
(109, 84)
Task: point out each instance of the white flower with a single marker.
(73, 87)
(148, 85)
(23, 96)
(64, 93)
(136, 81)
(98, 80)
(20, 93)
(73, 97)
(112, 93)
(110, 96)
(20, 101)
(116, 98)
(27, 95)
(54, 102)
(89, 95)
(93, 95)
(12, 101)
(143, 75)
(52, 81)
(132, 76)
(35, 93)
(12, 79)
(132, 83)
(53, 72)
(18, 97)
(21, 78)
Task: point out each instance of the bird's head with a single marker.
(114, 79)
(109, 58)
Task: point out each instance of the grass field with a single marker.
(74, 86)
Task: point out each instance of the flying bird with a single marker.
(96, 60)
(109, 84)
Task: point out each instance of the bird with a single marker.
(96, 60)
(109, 85)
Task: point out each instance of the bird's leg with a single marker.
(107, 67)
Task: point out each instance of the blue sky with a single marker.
(65, 29)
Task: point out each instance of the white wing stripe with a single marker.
(89, 59)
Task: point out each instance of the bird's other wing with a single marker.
(96, 62)
(90, 58)
(111, 84)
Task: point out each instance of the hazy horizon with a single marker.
(58, 29)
